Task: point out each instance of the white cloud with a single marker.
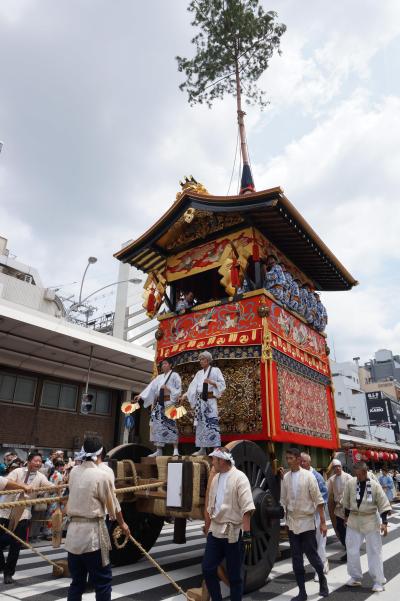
(97, 136)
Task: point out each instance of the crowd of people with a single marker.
(32, 522)
(359, 506)
(288, 291)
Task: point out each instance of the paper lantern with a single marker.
(395, 455)
(368, 454)
(385, 455)
(357, 455)
(380, 455)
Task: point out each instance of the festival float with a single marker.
(274, 360)
(275, 364)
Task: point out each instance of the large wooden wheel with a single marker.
(145, 527)
(251, 460)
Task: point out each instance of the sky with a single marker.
(97, 136)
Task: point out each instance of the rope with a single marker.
(118, 491)
(28, 546)
(34, 490)
(118, 533)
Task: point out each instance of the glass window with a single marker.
(102, 402)
(68, 397)
(25, 390)
(17, 389)
(56, 395)
(50, 394)
(7, 387)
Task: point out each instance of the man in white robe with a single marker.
(227, 524)
(301, 497)
(18, 519)
(366, 509)
(91, 497)
(161, 393)
(321, 540)
(206, 387)
(336, 484)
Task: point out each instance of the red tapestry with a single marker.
(304, 405)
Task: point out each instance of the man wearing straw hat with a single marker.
(17, 519)
(206, 387)
(227, 524)
(91, 497)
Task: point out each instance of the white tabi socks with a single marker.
(157, 452)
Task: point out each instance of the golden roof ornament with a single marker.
(191, 185)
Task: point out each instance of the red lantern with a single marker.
(380, 455)
(368, 455)
(385, 455)
(395, 455)
(391, 457)
(235, 282)
(357, 456)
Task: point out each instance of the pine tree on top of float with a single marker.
(234, 44)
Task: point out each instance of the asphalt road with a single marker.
(141, 582)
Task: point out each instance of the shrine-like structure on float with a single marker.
(274, 362)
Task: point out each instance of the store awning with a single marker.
(33, 341)
(368, 444)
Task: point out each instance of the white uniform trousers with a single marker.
(321, 540)
(354, 540)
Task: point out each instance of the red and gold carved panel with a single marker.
(231, 324)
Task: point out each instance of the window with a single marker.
(56, 395)
(17, 389)
(101, 401)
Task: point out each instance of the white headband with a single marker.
(85, 455)
(222, 455)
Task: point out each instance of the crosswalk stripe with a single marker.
(141, 582)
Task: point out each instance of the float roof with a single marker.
(269, 211)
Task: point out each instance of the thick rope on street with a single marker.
(48, 500)
(119, 534)
(35, 490)
(58, 570)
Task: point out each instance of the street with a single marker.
(141, 582)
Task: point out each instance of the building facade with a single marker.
(351, 399)
(47, 363)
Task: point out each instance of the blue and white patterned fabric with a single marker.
(321, 317)
(287, 287)
(206, 412)
(311, 308)
(162, 429)
(274, 281)
(294, 300)
(303, 304)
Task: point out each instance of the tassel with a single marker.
(56, 527)
(235, 274)
(256, 252)
(151, 301)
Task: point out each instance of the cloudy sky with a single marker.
(97, 135)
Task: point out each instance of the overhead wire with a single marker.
(234, 162)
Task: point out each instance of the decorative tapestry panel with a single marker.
(304, 407)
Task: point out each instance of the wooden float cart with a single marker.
(276, 366)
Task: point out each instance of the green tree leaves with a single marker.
(233, 35)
